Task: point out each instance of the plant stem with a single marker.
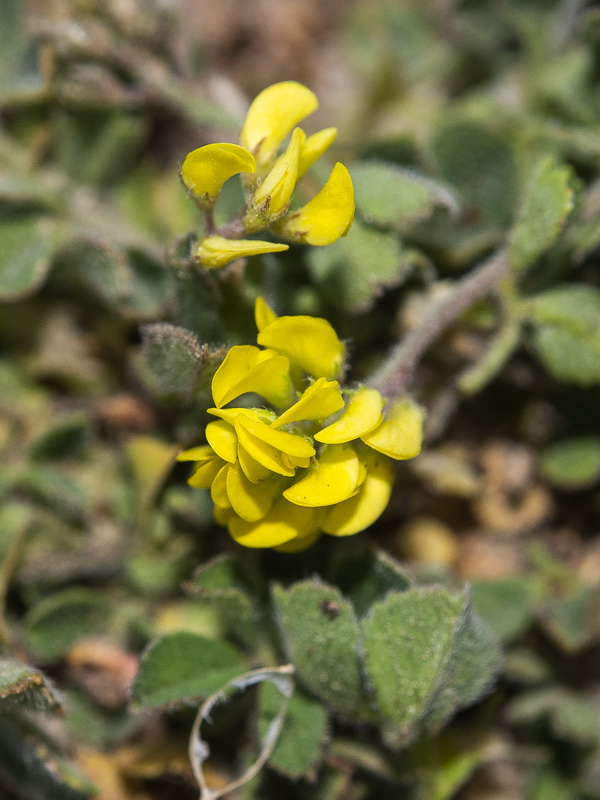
(392, 378)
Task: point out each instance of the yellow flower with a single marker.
(272, 115)
(205, 170)
(216, 251)
(326, 217)
(320, 465)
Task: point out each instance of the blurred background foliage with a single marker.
(469, 127)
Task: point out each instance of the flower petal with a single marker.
(221, 437)
(300, 543)
(229, 414)
(263, 313)
(265, 454)
(310, 343)
(313, 148)
(245, 368)
(291, 444)
(216, 251)
(333, 478)
(249, 500)
(400, 435)
(271, 199)
(360, 511)
(322, 399)
(205, 170)
(326, 217)
(202, 452)
(361, 415)
(205, 473)
(272, 115)
(283, 523)
(218, 490)
(254, 471)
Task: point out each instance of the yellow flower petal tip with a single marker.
(332, 478)
(272, 197)
(272, 115)
(205, 170)
(313, 148)
(245, 369)
(362, 414)
(400, 435)
(326, 217)
(263, 313)
(310, 343)
(216, 251)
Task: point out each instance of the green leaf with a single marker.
(425, 654)
(28, 246)
(355, 269)
(505, 604)
(102, 266)
(320, 634)
(220, 583)
(567, 356)
(54, 624)
(392, 197)
(66, 436)
(546, 205)
(184, 666)
(368, 577)
(26, 687)
(482, 167)
(573, 621)
(572, 463)
(152, 287)
(298, 751)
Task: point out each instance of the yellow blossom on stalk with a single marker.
(269, 179)
(319, 460)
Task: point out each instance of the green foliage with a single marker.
(546, 205)
(572, 463)
(28, 246)
(23, 686)
(181, 667)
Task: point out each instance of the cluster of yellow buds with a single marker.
(317, 460)
(269, 179)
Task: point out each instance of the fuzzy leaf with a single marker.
(356, 268)
(424, 654)
(24, 686)
(574, 621)
(392, 197)
(547, 203)
(572, 463)
(298, 750)
(28, 246)
(184, 666)
(505, 604)
(369, 577)
(320, 634)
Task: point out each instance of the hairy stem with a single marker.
(397, 371)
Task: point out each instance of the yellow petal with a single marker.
(326, 217)
(205, 170)
(361, 415)
(310, 343)
(314, 147)
(300, 543)
(205, 473)
(283, 523)
(218, 490)
(254, 471)
(223, 515)
(263, 313)
(221, 437)
(368, 504)
(273, 114)
(291, 444)
(400, 435)
(245, 368)
(322, 399)
(216, 251)
(271, 199)
(266, 455)
(201, 453)
(251, 501)
(332, 478)
(229, 414)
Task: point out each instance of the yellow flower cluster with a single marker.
(318, 460)
(269, 179)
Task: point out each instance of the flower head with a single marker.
(269, 179)
(318, 460)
